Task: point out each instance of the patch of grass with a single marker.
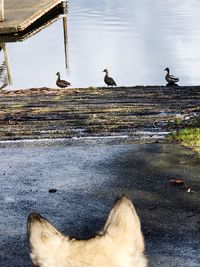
(92, 88)
(178, 124)
(58, 97)
(18, 105)
(189, 137)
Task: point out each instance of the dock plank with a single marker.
(20, 14)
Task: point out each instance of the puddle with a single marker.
(152, 134)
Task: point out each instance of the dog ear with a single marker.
(123, 224)
(44, 240)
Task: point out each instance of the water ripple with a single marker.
(134, 39)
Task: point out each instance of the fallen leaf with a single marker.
(176, 182)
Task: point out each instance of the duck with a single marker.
(108, 80)
(61, 83)
(170, 78)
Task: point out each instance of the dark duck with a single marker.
(61, 83)
(108, 80)
(171, 79)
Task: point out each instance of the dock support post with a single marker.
(64, 6)
(1, 10)
(8, 72)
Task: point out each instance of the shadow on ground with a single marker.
(88, 178)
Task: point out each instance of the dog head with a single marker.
(119, 244)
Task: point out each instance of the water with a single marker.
(135, 40)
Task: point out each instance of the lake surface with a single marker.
(135, 40)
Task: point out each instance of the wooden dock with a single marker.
(20, 14)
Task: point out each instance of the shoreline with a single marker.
(142, 113)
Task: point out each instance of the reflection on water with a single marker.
(5, 74)
(5, 71)
(136, 40)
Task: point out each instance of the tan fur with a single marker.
(119, 244)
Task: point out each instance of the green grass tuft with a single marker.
(189, 137)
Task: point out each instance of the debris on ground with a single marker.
(52, 190)
(177, 182)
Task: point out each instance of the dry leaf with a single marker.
(176, 182)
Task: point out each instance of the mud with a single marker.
(66, 113)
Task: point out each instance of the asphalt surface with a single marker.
(88, 176)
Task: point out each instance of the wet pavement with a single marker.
(142, 113)
(88, 176)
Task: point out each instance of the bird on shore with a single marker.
(108, 80)
(61, 83)
(172, 80)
